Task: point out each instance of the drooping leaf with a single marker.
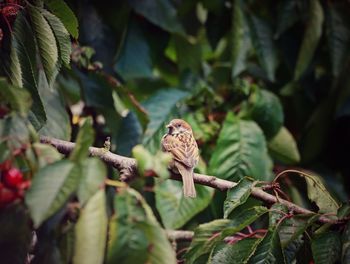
(239, 252)
(269, 250)
(93, 175)
(84, 140)
(18, 98)
(326, 248)
(311, 38)
(338, 36)
(160, 12)
(267, 112)
(61, 35)
(46, 42)
(319, 194)
(91, 231)
(60, 9)
(240, 151)
(237, 195)
(283, 147)
(134, 60)
(135, 235)
(51, 187)
(263, 43)
(175, 209)
(26, 48)
(287, 16)
(160, 107)
(188, 55)
(240, 39)
(15, 66)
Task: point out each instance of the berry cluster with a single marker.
(12, 184)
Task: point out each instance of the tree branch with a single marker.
(127, 168)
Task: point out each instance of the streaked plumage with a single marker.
(179, 141)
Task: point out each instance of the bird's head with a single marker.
(178, 126)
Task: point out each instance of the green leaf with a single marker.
(18, 98)
(15, 66)
(287, 16)
(243, 219)
(311, 38)
(135, 235)
(84, 140)
(46, 42)
(51, 187)
(46, 154)
(338, 36)
(239, 252)
(277, 211)
(264, 45)
(93, 175)
(240, 151)
(160, 12)
(61, 35)
(26, 49)
(326, 248)
(188, 54)
(147, 162)
(160, 107)
(240, 40)
(91, 231)
(318, 193)
(205, 238)
(283, 147)
(58, 121)
(267, 112)
(175, 209)
(134, 60)
(269, 250)
(60, 9)
(237, 195)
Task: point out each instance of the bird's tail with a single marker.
(187, 179)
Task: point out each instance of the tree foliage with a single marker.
(264, 85)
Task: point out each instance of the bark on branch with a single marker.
(127, 168)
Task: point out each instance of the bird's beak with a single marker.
(168, 126)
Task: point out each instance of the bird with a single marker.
(181, 144)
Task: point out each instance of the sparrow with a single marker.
(179, 141)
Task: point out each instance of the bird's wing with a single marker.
(184, 150)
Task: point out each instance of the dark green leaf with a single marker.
(15, 72)
(240, 252)
(312, 35)
(84, 140)
(237, 195)
(175, 209)
(50, 189)
(326, 248)
(264, 45)
(283, 147)
(267, 112)
(91, 231)
(134, 60)
(160, 107)
(46, 42)
(160, 12)
(338, 35)
(240, 40)
(269, 250)
(277, 211)
(93, 175)
(287, 16)
(240, 151)
(346, 244)
(60, 9)
(189, 55)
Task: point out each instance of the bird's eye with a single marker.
(178, 125)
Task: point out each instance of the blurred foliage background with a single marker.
(264, 85)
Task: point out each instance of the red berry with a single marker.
(6, 165)
(7, 196)
(13, 177)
